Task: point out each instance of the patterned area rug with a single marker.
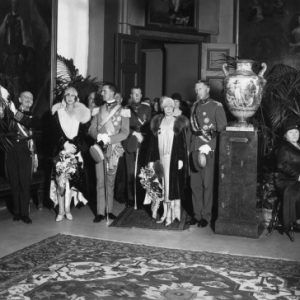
(141, 218)
(78, 268)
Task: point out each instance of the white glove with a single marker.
(103, 137)
(139, 136)
(180, 164)
(4, 94)
(71, 148)
(12, 107)
(95, 111)
(204, 149)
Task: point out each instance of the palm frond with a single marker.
(68, 75)
(229, 60)
(66, 68)
(281, 94)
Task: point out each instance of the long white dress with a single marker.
(165, 143)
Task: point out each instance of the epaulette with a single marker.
(145, 103)
(218, 103)
(125, 112)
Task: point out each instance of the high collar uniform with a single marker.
(118, 129)
(207, 120)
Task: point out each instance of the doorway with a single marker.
(161, 63)
(169, 67)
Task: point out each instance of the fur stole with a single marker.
(82, 113)
(180, 123)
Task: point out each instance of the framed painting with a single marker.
(176, 14)
(28, 48)
(213, 58)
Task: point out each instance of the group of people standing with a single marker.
(130, 137)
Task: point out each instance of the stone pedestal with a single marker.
(237, 185)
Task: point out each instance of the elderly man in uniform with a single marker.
(109, 127)
(207, 120)
(139, 120)
(20, 159)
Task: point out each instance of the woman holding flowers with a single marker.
(67, 181)
(168, 145)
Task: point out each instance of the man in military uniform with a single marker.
(139, 122)
(21, 159)
(207, 120)
(110, 126)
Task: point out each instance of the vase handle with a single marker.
(224, 67)
(264, 69)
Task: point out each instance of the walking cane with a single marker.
(135, 171)
(105, 189)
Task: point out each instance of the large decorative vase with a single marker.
(243, 91)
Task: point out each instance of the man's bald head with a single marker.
(26, 100)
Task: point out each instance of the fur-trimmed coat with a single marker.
(179, 152)
(59, 138)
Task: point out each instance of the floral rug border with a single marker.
(32, 258)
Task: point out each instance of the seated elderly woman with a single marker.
(288, 179)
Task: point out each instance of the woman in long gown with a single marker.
(69, 118)
(168, 144)
(288, 179)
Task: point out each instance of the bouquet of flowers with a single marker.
(65, 167)
(150, 182)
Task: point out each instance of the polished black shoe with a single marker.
(202, 223)
(98, 218)
(26, 220)
(111, 216)
(193, 221)
(17, 218)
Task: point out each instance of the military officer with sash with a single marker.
(207, 120)
(21, 159)
(139, 124)
(109, 127)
